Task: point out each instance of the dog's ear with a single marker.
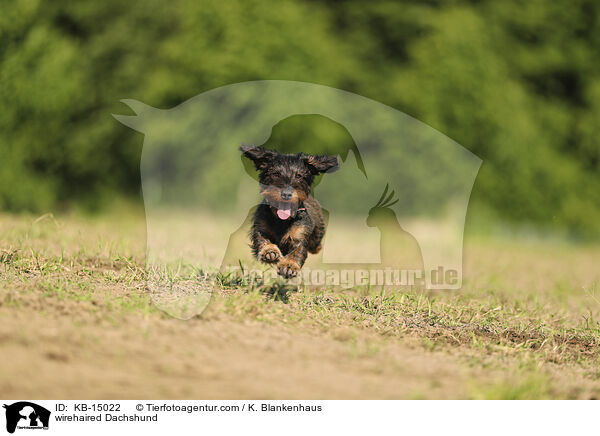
(258, 155)
(321, 163)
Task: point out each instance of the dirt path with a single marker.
(213, 358)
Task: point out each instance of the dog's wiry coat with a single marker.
(289, 223)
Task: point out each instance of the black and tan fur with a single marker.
(285, 181)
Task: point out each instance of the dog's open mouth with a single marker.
(284, 213)
(285, 209)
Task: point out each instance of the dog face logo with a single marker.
(26, 415)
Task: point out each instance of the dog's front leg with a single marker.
(294, 244)
(264, 250)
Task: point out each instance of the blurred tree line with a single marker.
(517, 83)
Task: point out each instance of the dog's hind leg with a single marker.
(315, 238)
(314, 244)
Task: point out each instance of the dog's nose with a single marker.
(286, 193)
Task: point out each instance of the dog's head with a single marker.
(286, 179)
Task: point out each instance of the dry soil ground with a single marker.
(76, 321)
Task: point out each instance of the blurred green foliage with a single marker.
(517, 83)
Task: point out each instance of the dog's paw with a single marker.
(269, 253)
(288, 268)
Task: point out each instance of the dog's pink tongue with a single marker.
(284, 213)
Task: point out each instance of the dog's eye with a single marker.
(298, 176)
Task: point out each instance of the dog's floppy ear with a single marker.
(321, 163)
(258, 155)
